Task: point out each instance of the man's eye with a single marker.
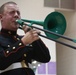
(18, 12)
(12, 12)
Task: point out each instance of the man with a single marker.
(17, 51)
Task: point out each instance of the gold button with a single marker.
(8, 45)
(7, 51)
(14, 36)
(13, 47)
(9, 32)
(20, 44)
(31, 45)
(24, 55)
(18, 39)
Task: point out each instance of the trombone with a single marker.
(54, 27)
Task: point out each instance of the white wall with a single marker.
(66, 56)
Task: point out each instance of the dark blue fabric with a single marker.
(19, 71)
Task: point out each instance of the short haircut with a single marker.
(3, 6)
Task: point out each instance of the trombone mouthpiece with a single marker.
(20, 22)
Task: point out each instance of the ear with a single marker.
(0, 16)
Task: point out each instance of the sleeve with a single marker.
(40, 52)
(11, 54)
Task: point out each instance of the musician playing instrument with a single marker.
(17, 51)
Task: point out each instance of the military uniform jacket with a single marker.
(13, 50)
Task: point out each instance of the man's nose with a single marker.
(16, 15)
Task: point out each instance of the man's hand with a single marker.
(30, 36)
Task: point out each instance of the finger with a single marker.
(26, 29)
(36, 31)
(23, 27)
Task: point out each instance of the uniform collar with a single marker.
(10, 32)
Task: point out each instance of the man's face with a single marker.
(9, 17)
